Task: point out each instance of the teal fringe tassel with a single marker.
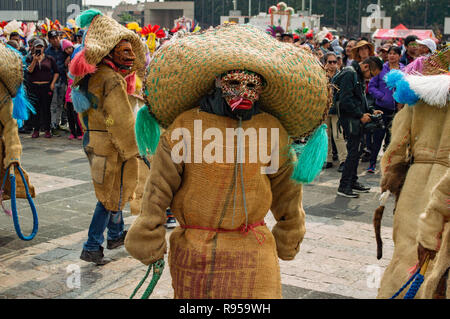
(79, 100)
(310, 157)
(147, 132)
(85, 18)
(21, 107)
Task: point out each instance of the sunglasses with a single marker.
(332, 62)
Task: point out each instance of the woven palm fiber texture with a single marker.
(11, 73)
(184, 70)
(103, 35)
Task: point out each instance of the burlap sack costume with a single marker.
(434, 234)
(420, 135)
(11, 77)
(223, 249)
(100, 94)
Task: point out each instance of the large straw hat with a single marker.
(11, 73)
(184, 70)
(102, 36)
(437, 63)
(360, 44)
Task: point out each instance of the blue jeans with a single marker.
(101, 220)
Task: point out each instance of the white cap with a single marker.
(430, 44)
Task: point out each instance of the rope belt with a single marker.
(242, 229)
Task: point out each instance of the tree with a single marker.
(126, 17)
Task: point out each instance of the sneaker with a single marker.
(341, 167)
(79, 137)
(71, 137)
(55, 132)
(360, 188)
(95, 256)
(114, 243)
(371, 169)
(48, 134)
(347, 192)
(35, 134)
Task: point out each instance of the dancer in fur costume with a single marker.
(105, 73)
(224, 96)
(420, 140)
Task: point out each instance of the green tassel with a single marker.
(147, 132)
(310, 157)
(85, 18)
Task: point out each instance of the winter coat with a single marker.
(378, 89)
(421, 131)
(109, 139)
(205, 262)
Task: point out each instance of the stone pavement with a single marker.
(337, 258)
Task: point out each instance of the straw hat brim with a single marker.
(360, 44)
(11, 73)
(103, 35)
(184, 70)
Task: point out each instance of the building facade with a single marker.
(60, 10)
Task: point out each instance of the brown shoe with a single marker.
(114, 243)
(95, 256)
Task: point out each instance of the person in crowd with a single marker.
(384, 50)
(353, 112)
(426, 47)
(287, 37)
(362, 50)
(410, 50)
(334, 132)
(15, 36)
(384, 101)
(347, 53)
(57, 106)
(43, 74)
(325, 46)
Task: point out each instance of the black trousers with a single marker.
(376, 140)
(74, 126)
(41, 98)
(354, 150)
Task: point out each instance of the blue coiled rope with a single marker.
(15, 216)
(418, 278)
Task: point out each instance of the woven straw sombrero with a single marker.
(11, 73)
(184, 70)
(102, 36)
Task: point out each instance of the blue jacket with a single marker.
(379, 90)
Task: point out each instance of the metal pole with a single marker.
(310, 7)
(425, 16)
(212, 12)
(359, 18)
(303, 5)
(249, 8)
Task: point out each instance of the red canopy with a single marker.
(401, 33)
(400, 27)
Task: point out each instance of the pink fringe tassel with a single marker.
(79, 66)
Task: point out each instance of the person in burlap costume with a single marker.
(14, 109)
(420, 140)
(433, 238)
(105, 73)
(232, 81)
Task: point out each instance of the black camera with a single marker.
(376, 123)
(38, 52)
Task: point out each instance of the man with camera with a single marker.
(354, 116)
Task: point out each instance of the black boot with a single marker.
(114, 243)
(95, 256)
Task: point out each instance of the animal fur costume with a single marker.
(101, 93)
(420, 134)
(14, 108)
(223, 248)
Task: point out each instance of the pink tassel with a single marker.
(131, 83)
(79, 66)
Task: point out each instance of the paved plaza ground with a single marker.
(337, 258)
